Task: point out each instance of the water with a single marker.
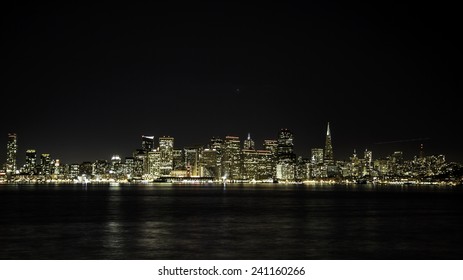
(237, 222)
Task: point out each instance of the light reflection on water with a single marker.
(255, 221)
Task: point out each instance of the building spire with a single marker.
(249, 143)
(328, 146)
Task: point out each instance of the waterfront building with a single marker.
(74, 170)
(192, 160)
(231, 158)
(178, 159)
(166, 148)
(11, 150)
(86, 169)
(285, 157)
(208, 164)
(328, 155)
(217, 145)
(154, 164)
(45, 164)
(31, 162)
(129, 165)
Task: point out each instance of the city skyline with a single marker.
(85, 82)
(417, 149)
(230, 159)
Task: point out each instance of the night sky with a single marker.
(86, 82)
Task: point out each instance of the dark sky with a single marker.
(85, 82)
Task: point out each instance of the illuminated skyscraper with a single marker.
(250, 164)
(129, 166)
(231, 157)
(217, 145)
(328, 146)
(147, 143)
(248, 143)
(116, 165)
(368, 162)
(178, 159)
(192, 160)
(208, 163)
(271, 145)
(368, 156)
(286, 159)
(11, 151)
(285, 146)
(317, 156)
(166, 148)
(46, 164)
(154, 164)
(31, 162)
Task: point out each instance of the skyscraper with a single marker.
(248, 143)
(286, 159)
(317, 156)
(11, 151)
(31, 161)
(217, 144)
(285, 147)
(166, 149)
(231, 157)
(45, 163)
(328, 146)
(147, 143)
(271, 145)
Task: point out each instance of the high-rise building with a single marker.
(192, 160)
(265, 165)
(166, 148)
(116, 167)
(217, 145)
(368, 156)
(11, 150)
(86, 168)
(231, 157)
(154, 164)
(100, 167)
(286, 159)
(129, 166)
(31, 162)
(209, 166)
(329, 158)
(248, 143)
(141, 157)
(285, 147)
(250, 163)
(271, 145)
(46, 164)
(302, 169)
(178, 160)
(147, 143)
(367, 162)
(74, 170)
(57, 167)
(316, 156)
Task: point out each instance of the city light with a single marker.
(234, 161)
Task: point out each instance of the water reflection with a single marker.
(253, 221)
